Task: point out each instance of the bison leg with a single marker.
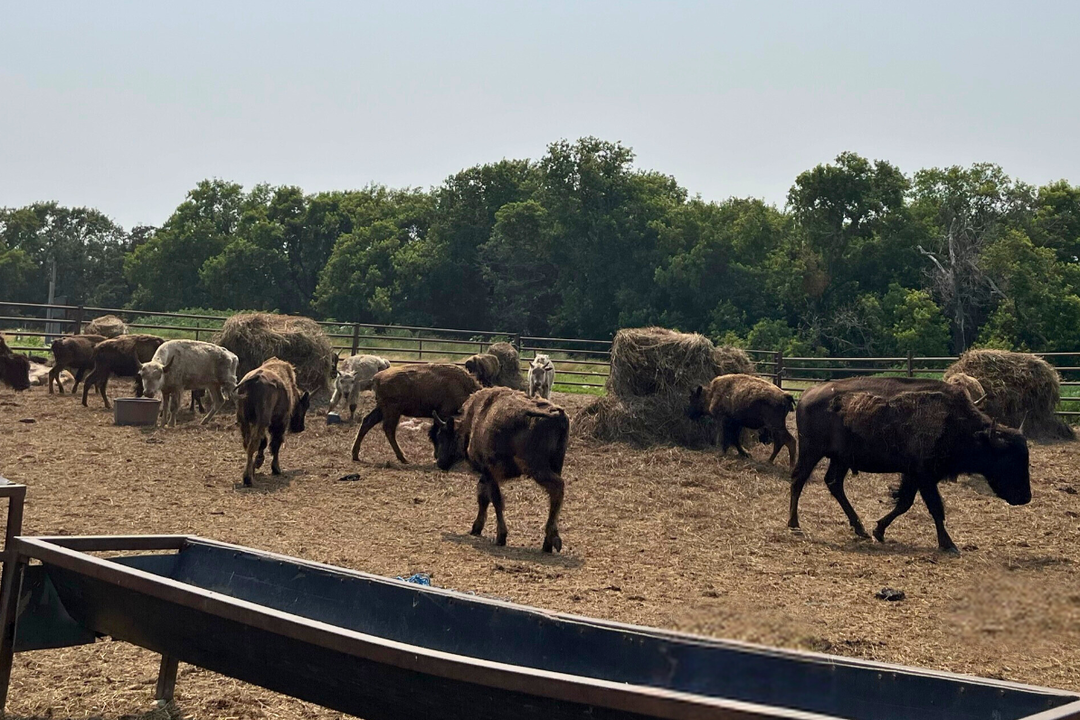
(79, 374)
(373, 418)
(803, 468)
(932, 498)
(483, 499)
(277, 437)
(54, 374)
(834, 480)
(217, 401)
(389, 426)
(497, 500)
(554, 486)
(91, 380)
(905, 496)
(260, 458)
(781, 438)
(254, 442)
(103, 388)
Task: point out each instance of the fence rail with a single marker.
(579, 363)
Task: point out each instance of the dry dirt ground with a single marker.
(666, 537)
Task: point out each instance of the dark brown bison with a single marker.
(484, 367)
(926, 430)
(121, 356)
(267, 399)
(736, 401)
(74, 353)
(504, 434)
(414, 391)
(14, 368)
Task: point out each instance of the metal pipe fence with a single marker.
(579, 363)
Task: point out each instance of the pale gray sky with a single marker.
(124, 106)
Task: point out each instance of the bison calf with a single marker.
(75, 353)
(414, 391)
(484, 367)
(180, 365)
(541, 376)
(504, 434)
(926, 430)
(355, 376)
(267, 399)
(120, 356)
(14, 368)
(736, 401)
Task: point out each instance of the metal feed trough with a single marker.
(388, 650)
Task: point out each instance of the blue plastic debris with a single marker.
(417, 579)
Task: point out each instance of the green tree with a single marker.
(517, 265)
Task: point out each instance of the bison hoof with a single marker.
(554, 543)
(879, 534)
(247, 481)
(275, 469)
(259, 460)
(500, 539)
(951, 550)
(861, 532)
(477, 530)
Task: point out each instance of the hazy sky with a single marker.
(125, 106)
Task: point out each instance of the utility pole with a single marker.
(52, 296)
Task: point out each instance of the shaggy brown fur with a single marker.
(74, 353)
(122, 357)
(14, 368)
(736, 401)
(971, 386)
(414, 391)
(509, 366)
(267, 399)
(505, 434)
(485, 368)
(926, 430)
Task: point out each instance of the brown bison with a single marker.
(926, 430)
(736, 401)
(14, 368)
(122, 356)
(484, 367)
(414, 391)
(74, 353)
(504, 434)
(267, 399)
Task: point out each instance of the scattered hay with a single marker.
(653, 371)
(509, 366)
(108, 326)
(257, 337)
(1019, 387)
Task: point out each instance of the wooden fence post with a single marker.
(355, 338)
(910, 364)
(779, 359)
(78, 320)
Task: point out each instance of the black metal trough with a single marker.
(385, 650)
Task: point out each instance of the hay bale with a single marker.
(653, 371)
(509, 366)
(108, 326)
(1019, 388)
(257, 337)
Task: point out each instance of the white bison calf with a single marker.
(268, 400)
(180, 365)
(354, 377)
(541, 376)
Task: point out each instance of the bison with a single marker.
(267, 399)
(356, 375)
(504, 434)
(120, 356)
(414, 391)
(736, 401)
(541, 376)
(926, 430)
(484, 367)
(180, 365)
(75, 353)
(14, 368)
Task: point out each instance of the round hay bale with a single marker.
(1019, 388)
(108, 326)
(653, 371)
(257, 337)
(509, 366)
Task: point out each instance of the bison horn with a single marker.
(1024, 420)
(438, 420)
(165, 367)
(980, 399)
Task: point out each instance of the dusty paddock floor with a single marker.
(669, 537)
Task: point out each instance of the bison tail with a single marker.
(790, 401)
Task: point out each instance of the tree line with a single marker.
(863, 259)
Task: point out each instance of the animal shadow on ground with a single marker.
(861, 546)
(266, 483)
(524, 553)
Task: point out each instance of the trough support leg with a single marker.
(10, 586)
(166, 680)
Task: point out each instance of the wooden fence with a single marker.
(580, 364)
